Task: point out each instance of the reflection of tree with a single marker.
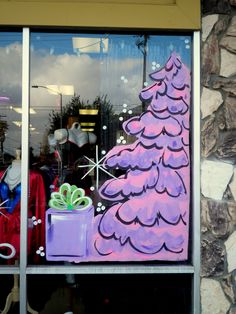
(3, 128)
(104, 123)
(101, 121)
(72, 110)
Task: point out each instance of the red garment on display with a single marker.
(10, 223)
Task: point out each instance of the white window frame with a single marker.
(194, 269)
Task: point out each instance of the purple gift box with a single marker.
(68, 234)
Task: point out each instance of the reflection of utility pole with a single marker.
(55, 92)
(141, 43)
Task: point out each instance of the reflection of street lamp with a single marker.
(58, 90)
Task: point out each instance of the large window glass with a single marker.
(10, 145)
(107, 294)
(109, 147)
(109, 194)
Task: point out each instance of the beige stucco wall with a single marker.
(150, 14)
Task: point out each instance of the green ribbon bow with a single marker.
(69, 197)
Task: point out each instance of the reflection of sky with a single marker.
(7, 39)
(61, 43)
(10, 86)
(117, 73)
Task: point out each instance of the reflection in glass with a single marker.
(73, 132)
(10, 142)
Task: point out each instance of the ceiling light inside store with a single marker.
(87, 123)
(88, 111)
(17, 123)
(4, 98)
(90, 45)
(88, 130)
(19, 110)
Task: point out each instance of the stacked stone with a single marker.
(218, 168)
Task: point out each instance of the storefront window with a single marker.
(109, 147)
(109, 217)
(10, 145)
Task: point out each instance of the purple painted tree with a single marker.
(149, 214)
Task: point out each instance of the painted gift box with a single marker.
(68, 224)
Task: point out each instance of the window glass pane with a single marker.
(7, 282)
(111, 294)
(44, 291)
(10, 145)
(109, 163)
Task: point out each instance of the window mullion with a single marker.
(24, 167)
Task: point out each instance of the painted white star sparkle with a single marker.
(97, 164)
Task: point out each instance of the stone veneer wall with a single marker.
(218, 163)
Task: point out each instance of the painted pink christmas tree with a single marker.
(149, 214)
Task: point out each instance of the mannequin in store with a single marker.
(11, 183)
(13, 176)
(75, 136)
(10, 193)
(74, 144)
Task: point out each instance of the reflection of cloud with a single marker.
(124, 91)
(10, 86)
(81, 72)
(91, 77)
(10, 78)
